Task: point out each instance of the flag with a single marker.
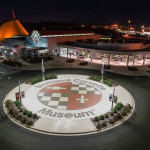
(102, 70)
(110, 97)
(13, 14)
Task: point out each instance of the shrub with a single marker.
(104, 124)
(25, 112)
(19, 106)
(132, 68)
(8, 103)
(54, 76)
(29, 122)
(46, 77)
(39, 79)
(21, 109)
(13, 112)
(83, 63)
(111, 121)
(102, 117)
(10, 107)
(126, 108)
(107, 66)
(36, 80)
(91, 77)
(118, 107)
(109, 84)
(97, 79)
(33, 81)
(115, 110)
(97, 119)
(120, 104)
(29, 113)
(123, 113)
(106, 116)
(115, 118)
(99, 126)
(23, 119)
(70, 60)
(18, 103)
(119, 116)
(34, 116)
(111, 114)
(18, 116)
(128, 105)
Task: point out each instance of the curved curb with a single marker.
(72, 134)
(11, 67)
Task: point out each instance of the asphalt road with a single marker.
(134, 134)
(7, 70)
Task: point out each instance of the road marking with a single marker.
(136, 78)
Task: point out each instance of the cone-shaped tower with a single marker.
(12, 28)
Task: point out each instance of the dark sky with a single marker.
(82, 11)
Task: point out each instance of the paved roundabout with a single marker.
(68, 105)
(132, 134)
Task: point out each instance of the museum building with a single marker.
(75, 44)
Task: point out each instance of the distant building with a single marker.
(12, 28)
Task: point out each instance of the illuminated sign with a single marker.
(36, 36)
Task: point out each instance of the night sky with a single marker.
(81, 11)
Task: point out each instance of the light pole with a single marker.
(129, 25)
(102, 71)
(19, 92)
(113, 97)
(43, 70)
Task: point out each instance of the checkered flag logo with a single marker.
(36, 36)
(69, 96)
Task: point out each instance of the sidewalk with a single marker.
(60, 62)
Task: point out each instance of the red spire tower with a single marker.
(13, 14)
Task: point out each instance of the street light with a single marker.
(102, 71)
(43, 70)
(19, 92)
(129, 25)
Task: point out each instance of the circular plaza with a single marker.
(69, 104)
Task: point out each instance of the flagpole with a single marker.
(113, 98)
(19, 91)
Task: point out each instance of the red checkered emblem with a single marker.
(69, 96)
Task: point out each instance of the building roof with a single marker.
(101, 48)
(62, 32)
(12, 28)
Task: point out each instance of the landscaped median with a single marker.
(20, 114)
(108, 82)
(119, 112)
(39, 78)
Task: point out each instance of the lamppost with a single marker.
(113, 97)
(129, 25)
(43, 70)
(20, 93)
(102, 71)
